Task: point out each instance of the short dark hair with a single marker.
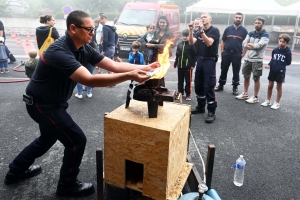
(103, 16)
(262, 19)
(185, 32)
(136, 45)
(76, 17)
(285, 37)
(238, 13)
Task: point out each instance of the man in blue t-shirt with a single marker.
(59, 69)
(232, 52)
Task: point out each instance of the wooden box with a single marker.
(147, 154)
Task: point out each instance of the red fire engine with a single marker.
(136, 15)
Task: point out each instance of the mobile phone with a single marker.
(28, 99)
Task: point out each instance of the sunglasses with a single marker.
(88, 30)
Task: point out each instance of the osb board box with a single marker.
(158, 144)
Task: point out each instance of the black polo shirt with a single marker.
(50, 81)
(233, 39)
(205, 51)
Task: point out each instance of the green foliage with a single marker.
(5, 12)
(286, 3)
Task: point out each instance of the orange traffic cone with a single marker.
(13, 34)
(27, 42)
(19, 40)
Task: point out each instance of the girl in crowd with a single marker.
(43, 31)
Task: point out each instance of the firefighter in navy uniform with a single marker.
(207, 39)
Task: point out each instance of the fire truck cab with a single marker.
(136, 15)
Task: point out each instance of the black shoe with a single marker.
(198, 110)
(235, 90)
(76, 189)
(210, 117)
(219, 88)
(13, 177)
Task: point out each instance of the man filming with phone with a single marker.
(207, 40)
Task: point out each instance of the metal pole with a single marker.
(210, 164)
(99, 170)
(295, 32)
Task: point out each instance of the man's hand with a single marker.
(191, 26)
(267, 66)
(139, 75)
(250, 46)
(151, 66)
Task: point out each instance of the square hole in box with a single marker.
(134, 175)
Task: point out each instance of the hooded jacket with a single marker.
(42, 33)
(110, 37)
(280, 59)
(4, 53)
(186, 56)
(260, 41)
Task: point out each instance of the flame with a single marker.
(164, 62)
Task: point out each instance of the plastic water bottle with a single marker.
(239, 171)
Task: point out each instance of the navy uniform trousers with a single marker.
(235, 60)
(205, 81)
(55, 124)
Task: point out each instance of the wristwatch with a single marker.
(201, 32)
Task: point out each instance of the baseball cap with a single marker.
(1, 39)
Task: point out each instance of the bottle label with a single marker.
(238, 166)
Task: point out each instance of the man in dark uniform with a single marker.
(59, 69)
(232, 52)
(207, 40)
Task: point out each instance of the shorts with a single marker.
(110, 52)
(277, 76)
(254, 67)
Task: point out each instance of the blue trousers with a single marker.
(79, 85)
(54, 124)
(205, 80)
(235, 60)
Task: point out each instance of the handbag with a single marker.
(49, 40)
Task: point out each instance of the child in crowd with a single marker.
(185, 60)
(31, 64)
(136, 57)
(149, 38)
(281, 57)
(4, 55)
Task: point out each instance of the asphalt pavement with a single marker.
(268, 139)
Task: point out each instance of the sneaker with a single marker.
(6, 71)
(266, 103)
(1, 71)
(211, 117)
(188, 98)
(252, 99)
(235, 90)
(79, 96)
(219, 88)
(275, 106)
(89, 95)
(242, 96)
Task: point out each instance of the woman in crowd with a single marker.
(43, 31)
(162, 34)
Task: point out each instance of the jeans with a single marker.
(4, 64)
(80, 86)
(110, 52)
